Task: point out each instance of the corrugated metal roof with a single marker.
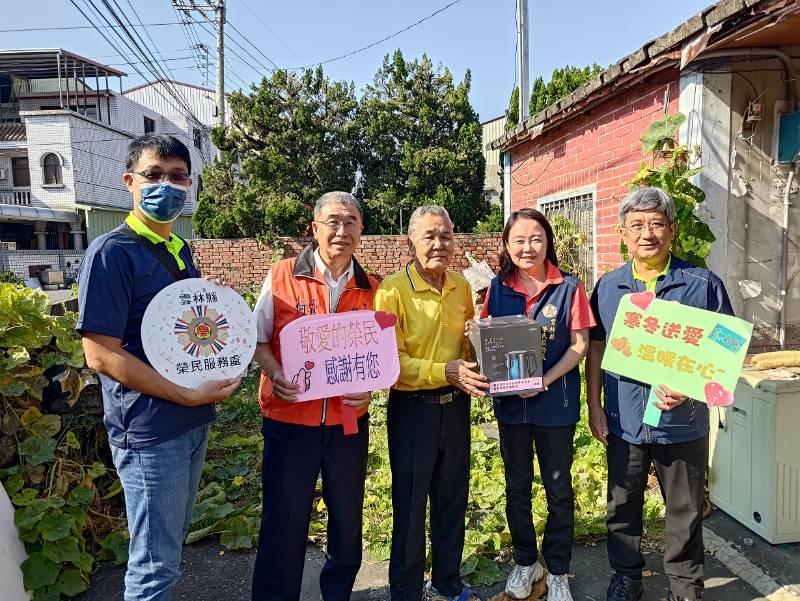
(48, 63)
(12, 132)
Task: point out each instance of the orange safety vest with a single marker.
(298, 289)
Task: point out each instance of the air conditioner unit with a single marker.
(3, 173)
(8, 246)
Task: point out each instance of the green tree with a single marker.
(512, 114)
(291, 139)
(421, 145)
(492, 223)
(562, 82)
(669, 170)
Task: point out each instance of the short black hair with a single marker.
(162, 145)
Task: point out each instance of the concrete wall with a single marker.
(744, 189)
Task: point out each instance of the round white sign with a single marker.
(195, 331)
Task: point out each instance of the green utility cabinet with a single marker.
(754, 456)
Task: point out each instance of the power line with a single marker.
(179, 58)
(388, 37)
(274, 35)
(115, 47)
(232, 51)
(72, 27)
(232, 26)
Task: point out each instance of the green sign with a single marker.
(695, 352)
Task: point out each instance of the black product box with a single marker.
(509, 352)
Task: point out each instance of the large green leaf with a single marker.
(63, 550)
(27, 517)
(55, 525)
(39, 571)
(85, 562)
(39, 424)
(15, 357)
(115, 547)
(81, 496)
(238, 534)
(37, 449)
(71, 583)
(666, 127)
(25, 497)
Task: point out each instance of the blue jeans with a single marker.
(160, 484)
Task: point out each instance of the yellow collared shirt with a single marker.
(174, 244)
(430, 325)
(651, 284)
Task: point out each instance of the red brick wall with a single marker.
(600, 147)
(246, 261)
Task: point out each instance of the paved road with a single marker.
(209, 576)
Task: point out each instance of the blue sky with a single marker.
(473, 34)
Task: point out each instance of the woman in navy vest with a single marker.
(530, 283)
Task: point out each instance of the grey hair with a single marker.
(647, 199)
(423, 210)
(342, 198)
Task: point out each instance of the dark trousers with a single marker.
(680, 468)
(429, 450)
(294, 456)
(554, 451)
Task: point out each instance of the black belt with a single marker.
(438, 396)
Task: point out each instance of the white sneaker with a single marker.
(558, 588)
(520, 580)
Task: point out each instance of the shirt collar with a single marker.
(664, 271)
(418, 283)
(141, 228)
(326, 273)
(552, 276)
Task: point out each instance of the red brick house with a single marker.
(719, 68)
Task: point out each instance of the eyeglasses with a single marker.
(157, 177)
(335, 224)
(657, 227)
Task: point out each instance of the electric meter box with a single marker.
(509, 352)
(754, 456)
(789, 137)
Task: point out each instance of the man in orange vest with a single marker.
(302, 439)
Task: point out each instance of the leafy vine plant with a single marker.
(669, 170)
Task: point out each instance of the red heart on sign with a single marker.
(643, 299)
(309, 364)
(717, 395)
(385, 320)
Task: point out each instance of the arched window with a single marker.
(51, 165)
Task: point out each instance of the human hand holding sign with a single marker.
(283, 388)
(669, 398)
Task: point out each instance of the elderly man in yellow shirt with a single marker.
(429, 408)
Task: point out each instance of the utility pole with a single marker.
(522, 61)
(220, 21)
(218, 8)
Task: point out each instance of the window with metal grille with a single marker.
(149, 125)
(198, 138)
(572, 217)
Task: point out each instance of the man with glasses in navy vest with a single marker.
(158, 430)
(678, 447)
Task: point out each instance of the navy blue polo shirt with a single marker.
(625, 398)
(117, 280)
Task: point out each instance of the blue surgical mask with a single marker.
(162, 202)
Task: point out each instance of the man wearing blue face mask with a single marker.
(158, 430)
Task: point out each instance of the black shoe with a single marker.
(624, 588)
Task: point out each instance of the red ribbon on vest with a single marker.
(349, 420)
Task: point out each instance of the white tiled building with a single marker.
(63, 142)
